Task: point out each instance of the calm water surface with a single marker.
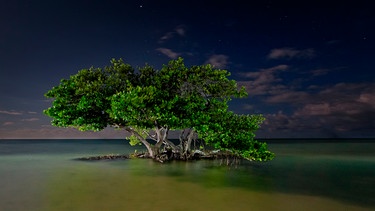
(43, 175)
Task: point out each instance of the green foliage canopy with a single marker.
(172, 98)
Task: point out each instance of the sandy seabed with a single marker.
(95, 189)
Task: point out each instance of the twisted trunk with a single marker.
(186, 139)
(162, 138)
(149, 147)
(188, 142)
(183, 151)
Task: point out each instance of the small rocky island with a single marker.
(165, 156)
(104, 157)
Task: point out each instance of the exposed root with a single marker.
(225, 158)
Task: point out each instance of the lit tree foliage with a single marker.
(149, 103)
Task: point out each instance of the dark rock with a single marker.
(104, 157)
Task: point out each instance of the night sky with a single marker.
(308, 67)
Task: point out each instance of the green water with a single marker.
(43, 175)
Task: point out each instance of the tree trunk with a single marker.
(172, 145)
(161, 138)
(188, 143)
(186, 139)
(150, 149)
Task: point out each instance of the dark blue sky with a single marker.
(308, 67)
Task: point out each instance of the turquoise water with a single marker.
(43, 175)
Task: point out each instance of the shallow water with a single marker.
(43, 175)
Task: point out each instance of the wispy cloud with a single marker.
(12, 112)
(30, 119)
(218, 60)
(324, 71)
(367, 98)
(168, 52)
(7, 123)
(344, 107)
(266, 75)
(320, 72)
(284, 95)
(179, 30)
(328, 110)
(50, 132)
(289, 53)
(263, 81)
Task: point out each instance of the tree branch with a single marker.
(144, 141)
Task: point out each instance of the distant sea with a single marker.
(305, 175)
